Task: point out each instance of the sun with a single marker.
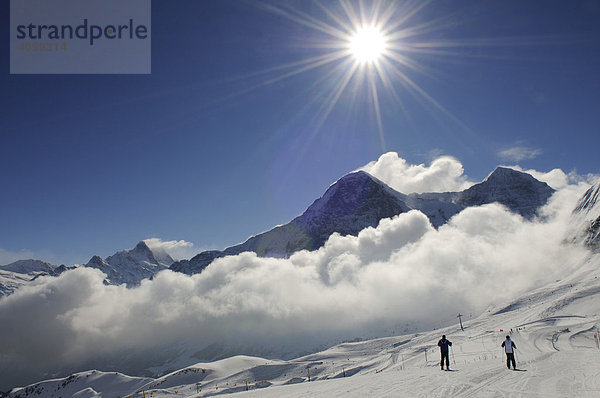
(368, 44)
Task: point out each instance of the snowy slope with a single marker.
(359, 200)
(88, 384)
(553, 328)
(585, 221)
(132, 266)
(11, 281)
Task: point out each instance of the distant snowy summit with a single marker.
(31, 267)
(128, 266)
(359, 200)
(132, 266)
(21, 272)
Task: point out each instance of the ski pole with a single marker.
(452, 351)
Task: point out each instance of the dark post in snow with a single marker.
(459, 316)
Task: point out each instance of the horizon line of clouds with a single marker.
(443, 174)
(177, 249)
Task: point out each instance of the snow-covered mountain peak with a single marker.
(519, 191)
(96, 262)
(21, 272)
(142, 247)
(141, 253)
(159, 254)
(356, 178)
(507, 177)
(504, 174)
(133, 265)
(349, 193)
(28, 267)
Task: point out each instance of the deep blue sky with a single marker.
(204, 150)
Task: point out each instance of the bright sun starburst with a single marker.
(368, 44)
(370, 49)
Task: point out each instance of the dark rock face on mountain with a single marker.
(197, 263)
(356, 201)
(353, 203)
(518, 191)
(359, 200)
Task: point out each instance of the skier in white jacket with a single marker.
(509, 348)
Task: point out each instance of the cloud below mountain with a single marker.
(402, 275)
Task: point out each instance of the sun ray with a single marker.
(350, 14)
(425, 95)
(377, 110)
(310, 21)
(407, 15)
(386, 16)
(318, 63)
(370, 50)
(336, 94)
(340, 21)
(326, 106)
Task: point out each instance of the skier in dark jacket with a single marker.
(509, 348)
(444, 344)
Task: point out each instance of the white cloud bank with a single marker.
(444, 174)
(403, 273)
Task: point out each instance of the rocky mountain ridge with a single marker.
(127, 266)
(354, 202)
(359, 200)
